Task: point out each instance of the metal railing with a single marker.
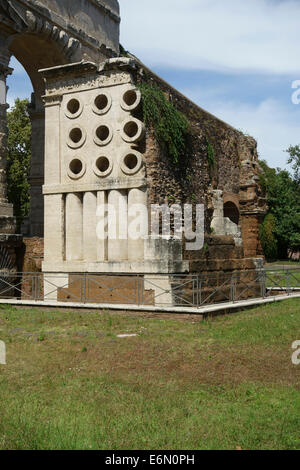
(189, 290)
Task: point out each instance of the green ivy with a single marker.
(267, 237)
(210, 154)
(169, 125)
(123, 52)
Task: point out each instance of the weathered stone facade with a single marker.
(95, 149)
(92, 133)
(234, 202)
(47, 33)
(235, 173)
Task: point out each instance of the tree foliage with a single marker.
(268, 238)
(294, 160)
(170, 126)
(283, 198)
(18, 157)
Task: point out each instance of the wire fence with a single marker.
(190, 290)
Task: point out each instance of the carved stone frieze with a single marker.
(27, 21)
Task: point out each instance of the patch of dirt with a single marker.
(213, 365)
(126, 313)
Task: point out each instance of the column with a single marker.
(54, 229)
(74, 227)
(36, 180)
(89, 226)
(117, 225)
(102, 226)
(137, 223)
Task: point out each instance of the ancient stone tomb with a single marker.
(98, 155)
(93, 160)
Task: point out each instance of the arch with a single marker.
(232, 212)
(34, 52)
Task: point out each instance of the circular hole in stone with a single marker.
(102, 164)
(101, 102)
(131, 129)
(73, 106)
(76, 166)
(102, 133)
(76, 135)
(131, 161)
(130, 97)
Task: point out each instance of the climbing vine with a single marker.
(210, 154)
(267, 237)
(170, 126)
(123, 52)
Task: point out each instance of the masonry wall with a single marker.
(31, 255)
(235, 170)
(231, 177)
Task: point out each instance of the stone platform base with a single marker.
(151, 289)
(101, 288)
(218, 273)
(122, 267)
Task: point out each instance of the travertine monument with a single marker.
(46, 33)
(92, 148)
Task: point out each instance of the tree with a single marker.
(294, 160)
(268, 238)
(18, 157)
(283, 198)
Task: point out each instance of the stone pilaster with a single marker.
(36, 180)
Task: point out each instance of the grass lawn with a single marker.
(289, 263)
(71, 383)
(283, 278)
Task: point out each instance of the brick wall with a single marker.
(236, 170)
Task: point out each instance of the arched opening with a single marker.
(231, 211)
(19, 83)
(36, 52)
(32, 52)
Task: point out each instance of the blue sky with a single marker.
(234, 58)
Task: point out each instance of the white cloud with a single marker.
(19, 84)
(18, 68)
(232, 35)
(273, 124)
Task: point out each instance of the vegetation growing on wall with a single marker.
(283, 198)
(170, 126)
(18, 157)
(123, 52)
(294, 160)
(267, 237)
(210, 154)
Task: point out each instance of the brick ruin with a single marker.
(89, 131)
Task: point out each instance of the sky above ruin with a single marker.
(235, 59)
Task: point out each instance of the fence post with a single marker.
(288, 282)
(263, 287)
(34, 290)
(37, 296)
(232, 289)
(137, 288)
